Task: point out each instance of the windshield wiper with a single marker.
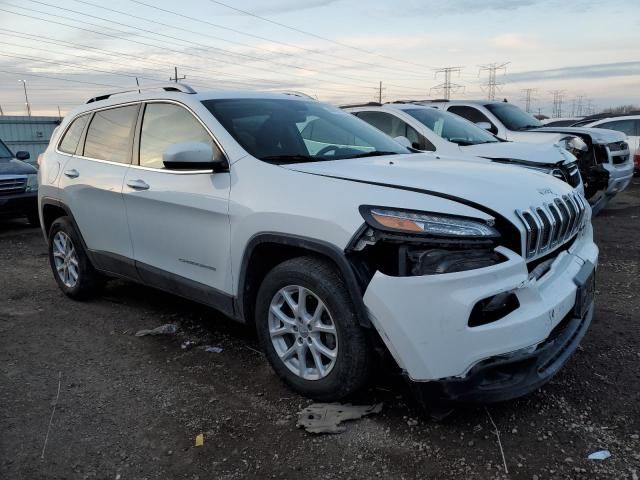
(289, 158)
(375, 153)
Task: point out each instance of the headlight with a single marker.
(574, 145)
(424, 223)
(32, 183)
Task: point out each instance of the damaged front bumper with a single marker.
(424, 322)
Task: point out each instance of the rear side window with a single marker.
(109, 135)
(71, 138)
(627, 127)
(165, 124)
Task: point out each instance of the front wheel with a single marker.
(309, 330)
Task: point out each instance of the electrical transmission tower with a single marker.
(579, 105)
(558, 96)
(447, 86)
(529, 98)
(492, 83)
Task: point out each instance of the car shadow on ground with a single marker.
(14, 225)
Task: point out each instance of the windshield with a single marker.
(451, 127)
(288, 131)
(513, 117)
(4, 151)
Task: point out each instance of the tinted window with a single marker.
(395, 127)
(165, 124)
(69, 143)
(451, 127)
(627, 127)
(277, 130)
(512, 117)
(109, 134)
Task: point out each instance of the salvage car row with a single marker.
(457, 256)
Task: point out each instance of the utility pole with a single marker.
(26, 97)
(492, 83)
(558, 96)
(59, 114)
(380, 89)
(175, 77)
(528, 92)
(1, 112)
(447, 86)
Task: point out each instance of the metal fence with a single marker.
(31, 134)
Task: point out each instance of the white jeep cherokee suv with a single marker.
(328, 236)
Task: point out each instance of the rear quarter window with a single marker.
(69, 143)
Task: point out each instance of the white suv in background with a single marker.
(605, 161)
(434, 130)
(326, 235)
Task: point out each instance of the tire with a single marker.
(34, 219)
(332, 380)
(87, 281)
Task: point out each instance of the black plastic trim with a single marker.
(356, 289)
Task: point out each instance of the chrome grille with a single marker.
(552, 224)
(9, 185)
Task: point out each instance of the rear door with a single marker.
(91, 186)
(178, 219)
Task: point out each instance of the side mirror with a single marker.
(23, 155)
(191, 156)
(404, 141)
(484, 125)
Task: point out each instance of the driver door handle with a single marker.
(73, 173)
(138, 184)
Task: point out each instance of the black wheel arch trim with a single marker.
(335, 254)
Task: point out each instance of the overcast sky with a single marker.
(585, 47)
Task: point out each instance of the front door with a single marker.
(178, 219)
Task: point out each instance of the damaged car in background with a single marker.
(426, 128)
(603, 155)
(334, 248)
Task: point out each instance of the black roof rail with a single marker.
(298, 94)
(369, 104)
(169, 87)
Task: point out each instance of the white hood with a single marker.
(598, 135)
(501, 188)
(543, 153)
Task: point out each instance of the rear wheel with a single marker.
(71, 267)
(309, 330)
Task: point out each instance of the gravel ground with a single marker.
(130, 407)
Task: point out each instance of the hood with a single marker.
(502, 188)
(535, 136)
(544, 154)
(598, 135)
(13, 166)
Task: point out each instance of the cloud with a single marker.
(434, 8)
(287, 6)
(515, 41)
(603, 70)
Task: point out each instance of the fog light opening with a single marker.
(492, 309)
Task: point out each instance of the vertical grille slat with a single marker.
(552, 224)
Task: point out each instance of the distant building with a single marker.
(30, 134)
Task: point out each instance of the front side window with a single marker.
(396, 127)
(627, 127)
(286, 131)
(165, 124)
(451, 127)
(512, 117)
(109, 134)
(71, 138)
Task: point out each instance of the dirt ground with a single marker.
(130, 407)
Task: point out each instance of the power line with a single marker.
(492, 83)
(289, 27)
(254, 47)
(447, 86)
